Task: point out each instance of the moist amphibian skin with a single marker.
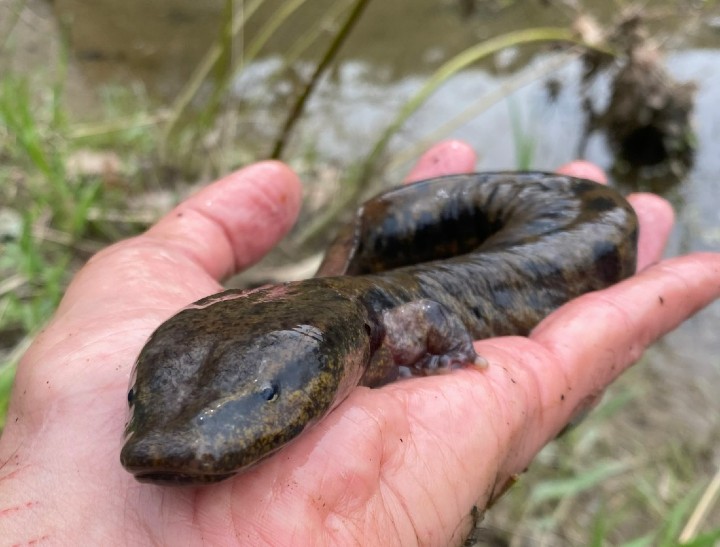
(420, 272)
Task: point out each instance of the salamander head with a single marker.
(231, 379)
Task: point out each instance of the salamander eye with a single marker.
(131, 396)
(269, 392)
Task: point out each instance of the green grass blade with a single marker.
(7, 376)
(205, 67)
(669, 533)
(458, 63)
(274, 23)
(15, 114)
(642, 541)
(711, 539)
(476, 108)
(599, 529)
(306, 39)
(523, 140)
(330, 54)
(561, 488)
(707, 501)
(11, 21)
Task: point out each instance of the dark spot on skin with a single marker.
(513, 380)
(607, 261)
(562, 397)
(661, 299)
(582, 187)
(504, 295)
(633, 236)
(601, 204)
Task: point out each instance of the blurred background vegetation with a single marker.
(111, 112)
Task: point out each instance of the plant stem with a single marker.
(330, 54)
(454, 65)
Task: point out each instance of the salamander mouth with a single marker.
(170, 478)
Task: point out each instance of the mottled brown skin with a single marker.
(421, 272)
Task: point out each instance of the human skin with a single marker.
(399, 465)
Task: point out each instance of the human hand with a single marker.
(396, 465)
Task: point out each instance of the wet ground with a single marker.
(396, 46)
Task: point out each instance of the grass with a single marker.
(50, 229)
(597, 485)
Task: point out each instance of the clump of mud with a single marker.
(647, 119)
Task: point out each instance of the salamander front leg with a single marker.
(427, 338)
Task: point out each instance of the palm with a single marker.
(388, 465)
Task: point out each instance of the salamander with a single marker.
(420, 272)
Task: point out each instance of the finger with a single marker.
(656, 217)
(616, 325)
(446, 158)
(222, 228)
(584, 170)
(235, 221)
(632, 314)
